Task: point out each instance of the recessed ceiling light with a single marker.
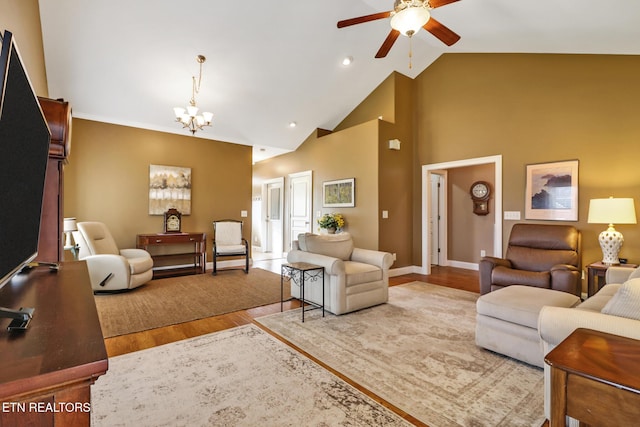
(347, 61)
(292, 124)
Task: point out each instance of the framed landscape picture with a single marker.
(339, 194)
(552, 191)
(169, 187)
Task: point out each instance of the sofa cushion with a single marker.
(626, 301)
(358, 272)
(600, 299)
(522, 304)
(334, 245)
(635, 274)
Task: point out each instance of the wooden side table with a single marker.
(595, 378)
(596, 273)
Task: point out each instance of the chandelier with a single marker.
(189, 117)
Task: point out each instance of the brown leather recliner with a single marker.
(546, 256)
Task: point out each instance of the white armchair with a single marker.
(111, 269)
(354, 278)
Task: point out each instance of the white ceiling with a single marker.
(269, 63)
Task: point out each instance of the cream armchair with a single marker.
(111, 269)
(354, 278)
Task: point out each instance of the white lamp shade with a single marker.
(409, 20)
(207, 116)
(612, 211)
(179, 112)
(192, 110)
(69, 224)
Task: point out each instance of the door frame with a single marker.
(425, 268)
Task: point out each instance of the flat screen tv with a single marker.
(24, 149)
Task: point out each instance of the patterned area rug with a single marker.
(418, 352)
(238, 377)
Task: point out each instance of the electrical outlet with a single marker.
(394, 256)
(483, 253)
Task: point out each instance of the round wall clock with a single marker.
(172, 221)
(480, 192)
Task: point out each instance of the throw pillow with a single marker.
(636, 273)
(626, 301)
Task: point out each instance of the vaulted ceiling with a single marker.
(270, 63)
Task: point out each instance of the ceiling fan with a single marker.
(407, 17)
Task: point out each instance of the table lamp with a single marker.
(69, 226)
(610, 211)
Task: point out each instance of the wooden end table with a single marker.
(596, 273)
(299, 273)
(595, 378)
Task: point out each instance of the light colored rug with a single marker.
(238, 377)
(418, 352)
(173, 300)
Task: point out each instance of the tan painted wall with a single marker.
(107, 179)
(22, 18)
(468, 233)
(533, 109)
(346, 154)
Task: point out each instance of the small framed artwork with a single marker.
(339, 194)
(552, 191)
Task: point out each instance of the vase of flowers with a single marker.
(332, 222)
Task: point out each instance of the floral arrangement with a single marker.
(333, 220)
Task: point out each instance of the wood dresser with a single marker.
(46, 371)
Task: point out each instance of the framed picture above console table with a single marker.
(175, 254)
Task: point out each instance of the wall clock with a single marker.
(172, 221)
(480, 192)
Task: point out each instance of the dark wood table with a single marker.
(169, 248)
(595, 378)
(596, 273)
(46, 371)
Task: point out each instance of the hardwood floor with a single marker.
(445, 276)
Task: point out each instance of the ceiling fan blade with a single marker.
(363, 19)
(388, 43)
(444, 34)
(438, 3)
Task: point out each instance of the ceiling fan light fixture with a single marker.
(409, 20)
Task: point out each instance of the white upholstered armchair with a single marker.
(111, 269)
(228, 242)
(354, 278)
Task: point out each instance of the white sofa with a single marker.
(354, 278)
(614, 309)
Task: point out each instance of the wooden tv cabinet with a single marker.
(46, 371)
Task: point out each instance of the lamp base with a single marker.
(610, 243)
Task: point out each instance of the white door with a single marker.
(301, 188)
(436, 219)
(274, 218)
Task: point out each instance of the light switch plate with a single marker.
(512, 215)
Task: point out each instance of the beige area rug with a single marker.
(418, 352)
(173, 300)
(238, 377)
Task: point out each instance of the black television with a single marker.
(24, 150)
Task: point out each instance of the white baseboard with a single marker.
(402, 270)
(465, 265)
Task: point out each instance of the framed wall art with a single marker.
(339, 194)
(169, 187)
(552, 191)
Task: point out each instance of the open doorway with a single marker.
(428, 199)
